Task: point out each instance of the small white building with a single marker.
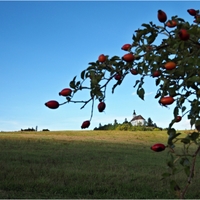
(137, 120)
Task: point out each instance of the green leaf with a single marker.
(172, 136)
(78, 83)
(115, 58)
(138, 51)
(140, 93)
(194, 79)
(192, 121)
(83, 74)
(151, 38)
(185, 140)
(185, 162)
(183, 108)
(171, 131)
(165, 175)
(147, 26)
(158, 81)
(180, 19)
(194, 136)
(91, 67)
(92, 63)
(197, 123)
(157, 95)
(87, 74)
(72, 84)
(174, 186)
(98, 93)
(170, 164)
(133, 37)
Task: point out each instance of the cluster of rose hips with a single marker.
(183, 33)
(129, 58)
(66, 92)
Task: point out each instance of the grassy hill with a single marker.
(85, 164)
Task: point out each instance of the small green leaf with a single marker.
(183, 108)
(171, 131)
(174, 186)
(78, 83)
(115, 58)
(140, 93)
(194, 79)
(170, 164)
(185, 162)
(158, 81)
(194, 136)
(185, 140)
(83, 74)
(147, 26)
(92, 63)
(72, 83)
(151, 38)
(192, 121)
(172, 136)
(158, 95)
(165, 175)
(91, 67)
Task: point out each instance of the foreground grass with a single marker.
(84, 164)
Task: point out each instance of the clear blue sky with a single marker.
(43, 45)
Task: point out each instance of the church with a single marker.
(137, 120)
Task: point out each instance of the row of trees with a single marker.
(127, 126)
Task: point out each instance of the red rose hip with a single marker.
(126, 47)
(85, 124)
(52, 104)
(178, 119)
(65, 92)
(184, 35)
(134, 71)
(118, 77)
(162, 17)
(129, 57)
(101, 106)
(102, 58)
(158, 147)
(192, 12)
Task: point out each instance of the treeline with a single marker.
(127, 126)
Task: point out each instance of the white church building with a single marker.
(137, 120)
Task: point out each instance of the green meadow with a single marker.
(86, 165)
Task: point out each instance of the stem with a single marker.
(185, 113)
(92, 109)
(191, 174)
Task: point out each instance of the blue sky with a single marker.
(43, 45)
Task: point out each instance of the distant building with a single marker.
(137, 120)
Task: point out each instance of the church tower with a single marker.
(134, 114)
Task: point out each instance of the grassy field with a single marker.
(85, 164)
